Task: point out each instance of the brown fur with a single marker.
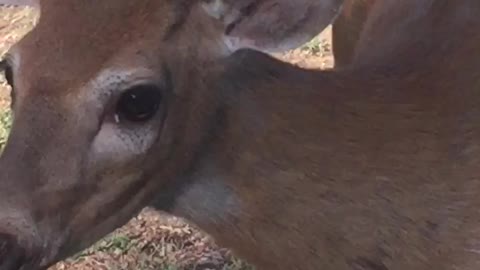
(347, 29)
(374, 166)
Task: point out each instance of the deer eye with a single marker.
(139, 103)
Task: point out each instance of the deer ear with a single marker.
(19, 2)
(271, 25)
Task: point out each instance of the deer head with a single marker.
(112, 104)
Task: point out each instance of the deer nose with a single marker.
(12, 255)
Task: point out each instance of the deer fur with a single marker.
(370, 166)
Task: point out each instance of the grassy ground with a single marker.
(151, 240)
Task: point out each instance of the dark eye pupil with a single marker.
(139, 103)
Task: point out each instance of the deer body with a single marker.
(272, 179)
(373, 166)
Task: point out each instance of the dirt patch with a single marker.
(152, 240)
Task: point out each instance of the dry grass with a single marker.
(154, 241)
(151, 240)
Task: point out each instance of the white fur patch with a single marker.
(117, 79)
(209, 200)
(216, 8)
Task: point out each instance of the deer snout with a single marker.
(12, 254)
(19, 241)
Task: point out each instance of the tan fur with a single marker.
(373, 166)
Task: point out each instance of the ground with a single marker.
(151, 240)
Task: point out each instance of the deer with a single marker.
(178, 105)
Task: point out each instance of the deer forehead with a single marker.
(87, 82)
(73, 46)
